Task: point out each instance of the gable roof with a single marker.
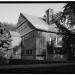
(37, 22)
(40, 24)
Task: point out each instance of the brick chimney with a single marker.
(49, 16)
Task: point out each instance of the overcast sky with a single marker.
(10, 12)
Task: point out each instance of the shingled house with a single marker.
(33, 40)
(36, 35)
(41, 38)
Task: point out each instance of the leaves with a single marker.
(69, 9)
(5, 42)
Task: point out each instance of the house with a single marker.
(41, 38)
(33, 39)
(36, 35)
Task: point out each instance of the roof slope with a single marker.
(53, 28)
(37, 22)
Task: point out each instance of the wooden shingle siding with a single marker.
(21, 20)
(30, 35)
(24, 25)
(24, 28)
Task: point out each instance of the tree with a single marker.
(62, 20)
(69, 13)
(4, 43)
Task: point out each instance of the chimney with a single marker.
(49, 16)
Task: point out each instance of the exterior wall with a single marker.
(29, 46)
(34, 43)
(21, 20)
(41, 45)
(24, 26)
(42, 40)
(54, 48)
(56, 38)
(25, 29)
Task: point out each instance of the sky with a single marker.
(10, 12)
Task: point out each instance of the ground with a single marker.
(54, 68)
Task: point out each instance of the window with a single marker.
(58, 42)
(28, 52)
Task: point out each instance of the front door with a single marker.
(50, 50)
